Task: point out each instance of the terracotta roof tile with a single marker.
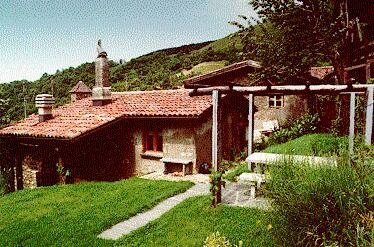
(321, 72)
(71, 120)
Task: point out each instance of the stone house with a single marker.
(111, 136)
(271, 111)
(129, 136)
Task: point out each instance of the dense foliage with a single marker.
(304, 125)
(323, 205)
(158, 70)
(293, 35)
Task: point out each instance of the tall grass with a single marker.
(324, 205)
(311, 144)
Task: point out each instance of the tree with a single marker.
(293, 35)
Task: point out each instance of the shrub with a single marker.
(236, 170)
(304, 125)
(323, 205)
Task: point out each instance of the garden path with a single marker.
(144, 218)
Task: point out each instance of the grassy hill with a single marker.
(160, 69)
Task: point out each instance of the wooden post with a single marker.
(216, 141)
(250, 127)
(18, 172)
(351, 124)
(369, 116)
(367, 72)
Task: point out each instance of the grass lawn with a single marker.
(73, 215)
(312, 144)
(205, 67)
(189, 223)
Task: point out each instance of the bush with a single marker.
(323, 205)
(306, 124)
(235, 171)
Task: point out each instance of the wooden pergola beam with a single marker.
(285, 90)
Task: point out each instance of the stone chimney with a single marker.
(101, 93)
(44, 103)
(80, 91)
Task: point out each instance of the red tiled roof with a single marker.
(80, 88)
(321, 72)
(74, 119)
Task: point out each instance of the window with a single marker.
(276, 101)
(152, 141)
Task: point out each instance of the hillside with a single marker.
(160, 69)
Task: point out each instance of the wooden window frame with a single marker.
(156, 144)
(273, 99)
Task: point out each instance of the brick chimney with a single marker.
(101, 93)
(44, 103)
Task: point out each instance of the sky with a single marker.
(42, 36)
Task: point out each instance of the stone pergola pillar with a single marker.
(250, 126)
(369, 117)
(217, 139)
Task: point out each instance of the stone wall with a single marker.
(293, 107)
(31, 168)
(178, 143)
(145, 164)
(203, 140)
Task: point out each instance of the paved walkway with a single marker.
(195, 178)
(238, 194)
(144, 218)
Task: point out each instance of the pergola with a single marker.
(252, 91)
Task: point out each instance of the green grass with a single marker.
(312, 144)
(232, 174)
(325, 203)
(224, 43)
(206, 67)
(189, 224)
(73, 215)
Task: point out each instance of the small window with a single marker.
(276, 101)
(152, 141)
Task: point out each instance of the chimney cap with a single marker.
(100, 50)
(44, 100)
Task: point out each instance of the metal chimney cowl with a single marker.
(44, 103)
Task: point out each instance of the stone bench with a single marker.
(182, 162)
(268, 158)
(254, 179)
